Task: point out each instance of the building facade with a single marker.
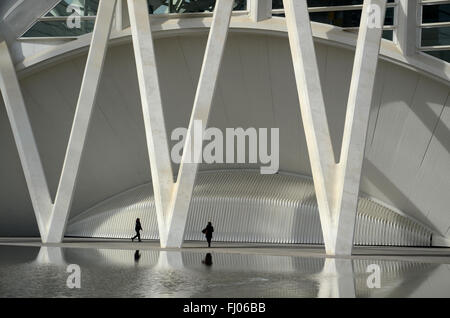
(93, 90)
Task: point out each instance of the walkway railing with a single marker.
(433, 23)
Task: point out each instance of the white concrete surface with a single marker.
(24, 140)
(152, 109)
(260, 10)
(347, 182)
(122, 16)
(86, 101)
(313, 112)
(407, 33)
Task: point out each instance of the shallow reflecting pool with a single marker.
(42, 272)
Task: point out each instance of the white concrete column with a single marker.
(122, 17)
(25, 141)
(313, 112)
(260, 9)
(407, 33)
(202, 105)
(356, 123)
(152, 108)
(86, 101)
(336, 185)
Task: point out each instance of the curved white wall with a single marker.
(408, 147)
(245, 206)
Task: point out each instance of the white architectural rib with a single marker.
(407, 34)
(25, 141)
(86, 101)
(260, 9)
(312, 108)
(152, 108)
(122, 16)
(356, 122)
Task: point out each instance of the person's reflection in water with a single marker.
(208, 260)
(137, 256)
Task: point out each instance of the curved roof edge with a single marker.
(163, 27)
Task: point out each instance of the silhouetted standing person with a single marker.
(208, 231)
(137, 228)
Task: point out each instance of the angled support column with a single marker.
(356, 123)
(260, 9)
(152, 108)
(86, 101)
(312, 108)
(122, 15)
(25, 141)
(407, 33)
(336, 184)
(172, 200)
(200, 113)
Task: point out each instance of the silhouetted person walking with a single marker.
(208, 231)
(137, 228)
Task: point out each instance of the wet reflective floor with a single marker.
(42, 272)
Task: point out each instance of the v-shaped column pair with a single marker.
(172, 198)
(336, 184)
(52, 217)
